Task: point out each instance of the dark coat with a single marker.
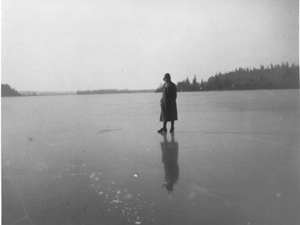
(168, 103)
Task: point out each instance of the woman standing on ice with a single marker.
(168, 104)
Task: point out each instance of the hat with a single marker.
(167, 76)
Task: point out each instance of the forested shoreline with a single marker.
(7, 91)
(271, 77)
(111, 91)
(281, 76)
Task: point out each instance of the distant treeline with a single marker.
(7, 91)
(111, 91)
(46, 93)
(272, 77)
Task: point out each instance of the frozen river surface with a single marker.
(98, 159)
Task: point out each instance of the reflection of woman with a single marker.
(170, 161)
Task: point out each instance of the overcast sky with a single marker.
(70, 45)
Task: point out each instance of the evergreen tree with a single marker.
(7, 91)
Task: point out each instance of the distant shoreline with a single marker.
(36, 93)
(94, 92)
(28, 94)
(113, 91)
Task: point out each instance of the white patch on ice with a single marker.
(137, 222)
(96, 178)
(196, 187)
(129, 196)
(135, 175)
(227, 204)
(118, 192)
(100, 193)
(192, 195)
(278, 195)
(41, 166)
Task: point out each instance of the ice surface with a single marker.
(98, 159)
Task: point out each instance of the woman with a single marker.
(168, 104)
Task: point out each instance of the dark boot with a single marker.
(162, 130)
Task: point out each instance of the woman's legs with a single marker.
(165, 125)
(172, 126)
(164, 129)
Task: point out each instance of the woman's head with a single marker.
(167, 77)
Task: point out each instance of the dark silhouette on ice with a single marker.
(170, 161)
(168, 104)
(107, 130)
